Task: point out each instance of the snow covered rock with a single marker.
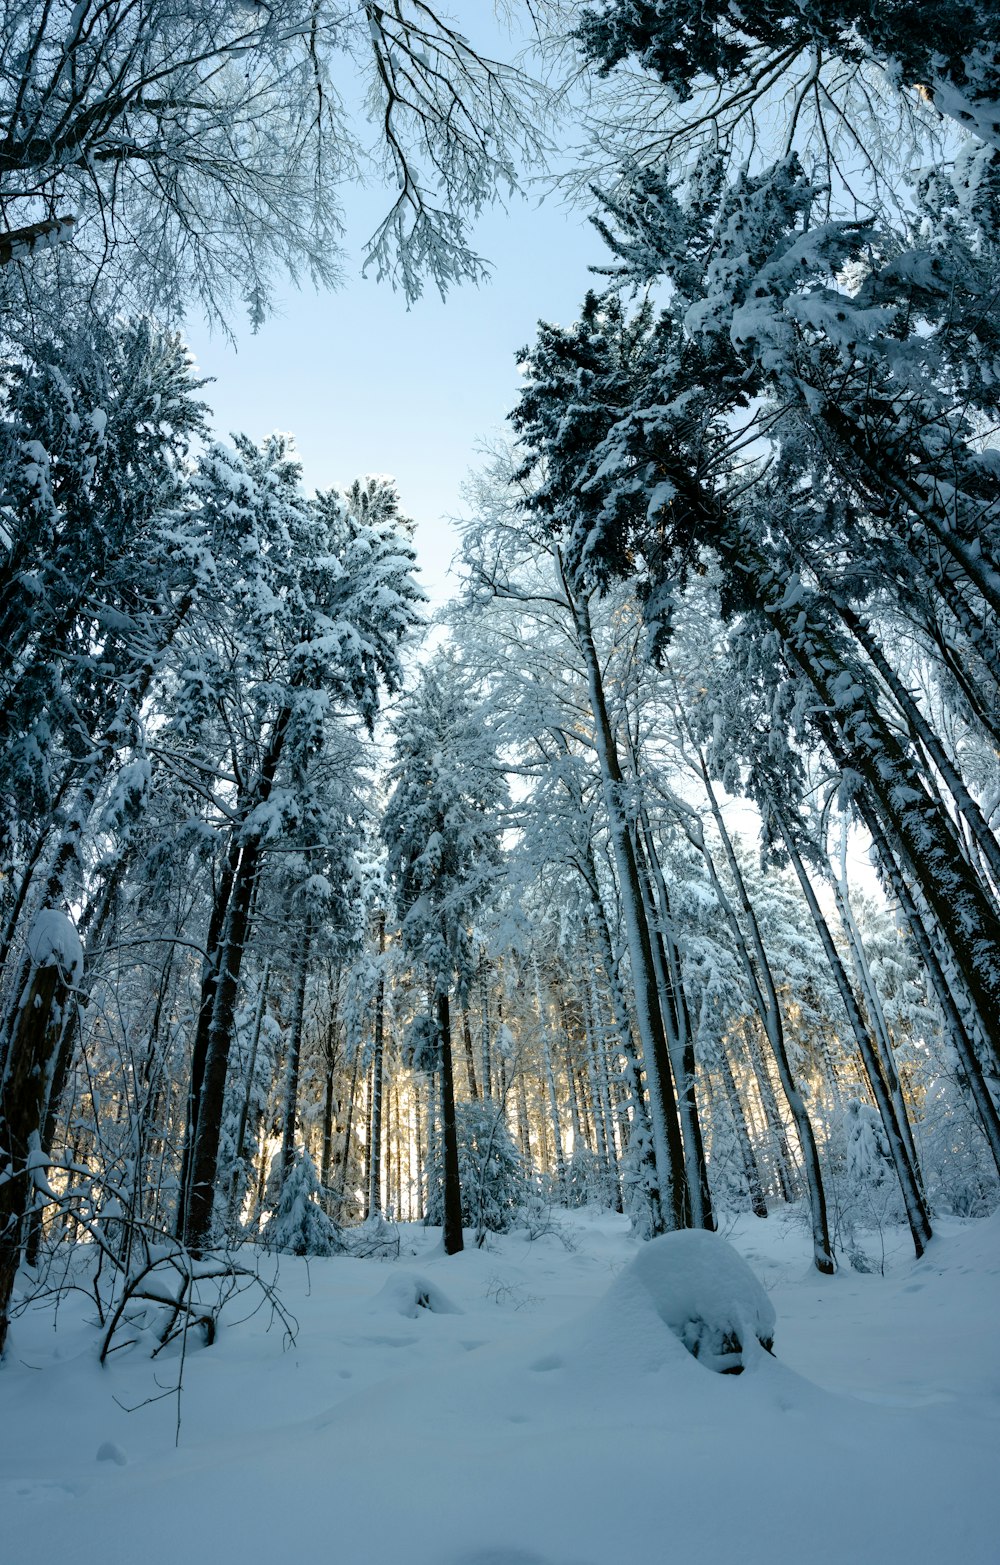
(706, 1293)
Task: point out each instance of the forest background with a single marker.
(263, 986)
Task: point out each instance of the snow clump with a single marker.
(407, 1293)
(53, 942)
(705, 1293)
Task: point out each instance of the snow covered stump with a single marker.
(706, 1294)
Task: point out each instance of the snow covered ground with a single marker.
(540, 1413)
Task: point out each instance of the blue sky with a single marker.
(366, 385)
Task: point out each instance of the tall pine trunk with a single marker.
(453, 1237)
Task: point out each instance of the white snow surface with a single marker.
(554, 1418)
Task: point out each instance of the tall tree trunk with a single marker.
(199, 1050)
(913, 1201)
(198, 1209)
(295, 1032)
(419, 1148)
(330, 1062)
(748, 1157)
(348, 1127)
(453, 1237)
(238, 1173)
(784, 1166)
(656, 1059)
(676, 1019)
(852, 725)
(378, 1041)
(484, 1005)
(197, 1224)
(470, 1059)
(972, 1069)
(756, 965)
(873, 1005)
(550, 1080)
(34, 1038)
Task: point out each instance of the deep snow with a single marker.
(540, 1412)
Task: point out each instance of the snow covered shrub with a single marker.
(490, 1171)
(707, 1295)
(407, 1293)
(957, 1167)
(300, 1226)
(537, 1216)
(640, 1198)
(862, 1188)
(585, 1178)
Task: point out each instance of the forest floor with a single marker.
(530, 1426)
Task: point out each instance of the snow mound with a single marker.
(705, 1293)
(53, 942)
(407, 1293)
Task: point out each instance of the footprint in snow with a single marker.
(45, 1489)
(550, 1361)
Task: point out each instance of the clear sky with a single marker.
(366, 385)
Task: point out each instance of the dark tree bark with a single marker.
(453, 1237)
(378, 1049)
(470, 1059)
(295, 1032)
(34, 1041)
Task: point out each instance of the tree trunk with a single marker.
(34, 1039)
(656, 1059)
(748, 1157)
(198, 1208)
(550, 1081)
(199, 1050)
(295, 1052)
(757, 967)
(856, 732)
(783, 1162)
(470, 1059)
(972, 1069)
(241, 1129)
(378, 1040)
(453, 1236)
(196, 1226)
(913, 1201)
(676, 1020)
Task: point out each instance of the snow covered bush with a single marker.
(863, 1190)
(490, 1170)
(585, 1180)
(707, 1295)
(407, 1293)
(300, 1226)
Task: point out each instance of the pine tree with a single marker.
(441, 830)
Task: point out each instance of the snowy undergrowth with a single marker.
(527, 1404)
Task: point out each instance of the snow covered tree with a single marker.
(305, 635)
(491, 1173)
(627, 416)
(441, 830)
(299, 1225)
(947, 51)
(191, 150)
